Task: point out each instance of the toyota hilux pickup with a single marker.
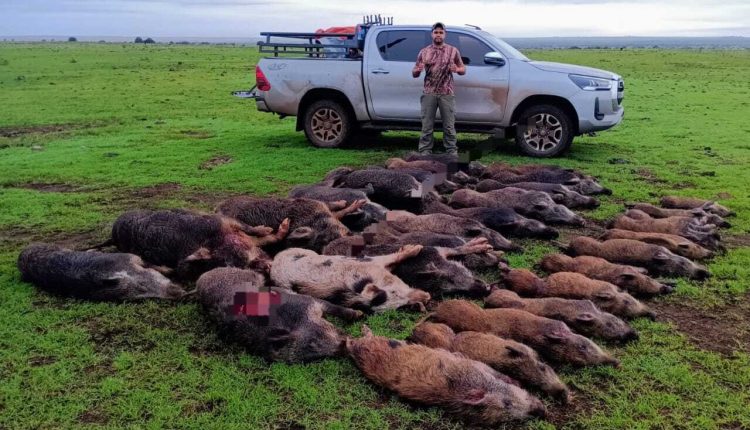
(337, 85)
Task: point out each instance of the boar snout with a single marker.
(562, 395)
(607, 191)
(701, 274)
(666, 288)
(480, 289)
(537, 409)
(630, 336)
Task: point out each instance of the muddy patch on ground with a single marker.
(54, 187)
(12, 132)
(215, 161)
(648, 176)
(723, 329)
(737, 241)
(197, 134)
(591, 228)
(93, 416)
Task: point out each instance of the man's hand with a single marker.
(417, 70)
(454, 68)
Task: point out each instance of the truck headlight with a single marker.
(591, 84)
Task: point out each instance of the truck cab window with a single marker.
(471, 48)
(402, 45)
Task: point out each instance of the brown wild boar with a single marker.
(699, 214)
(551, 338)
(657, 259)
(93, 275)
(630, 278)
(506, 356)
(533, 204)
(675, 202)
(582, 316)
(687, 227)
(677, 244)
(437, 377)
(364, 283)
(290, 328)
(572, 285)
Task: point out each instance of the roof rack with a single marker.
(311, 45)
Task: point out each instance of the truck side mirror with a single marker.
(494, 58)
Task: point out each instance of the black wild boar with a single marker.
(561, 194)
(357, 220)
(437, 377)
(365, 283)
(311, 223)
(93, 275)
(392, 189)
(430, 270)
(291, 329)
(655, 258)
(506, 356)
(504, 220)
(630, 278)
(675, 202)
(582, 316)
(533, 204)
(551, 338)
(192, 242)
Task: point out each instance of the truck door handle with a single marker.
(380, 72)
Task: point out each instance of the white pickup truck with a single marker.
(364, 82)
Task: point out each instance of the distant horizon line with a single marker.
(260, 37)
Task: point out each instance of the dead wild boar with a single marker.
(437, 181)
(403, 222)
(93, 275)
(676, 202)
(364, 283)
(533, 204)
(677, 244)
(192, 243)
(560, 194)
(551, 338)
(291, 329)
(432, 166)
(630, 278)
(356, 220)
(437, 377)
(657, 259)
(430, 270)
(504, 220)
(570, 285)
(686, 227)
(582, 316)
(392, 189)
(586, 184)
(699, 214)
(311, 223)
(506, 356)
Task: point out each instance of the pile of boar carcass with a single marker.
(398, 237)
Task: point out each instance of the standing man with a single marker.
(439, 61)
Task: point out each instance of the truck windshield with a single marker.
(507, 49)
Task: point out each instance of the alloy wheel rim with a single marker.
(327, 125)
(543, 132)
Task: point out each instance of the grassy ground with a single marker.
(88, 130)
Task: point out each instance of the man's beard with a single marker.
(437, 42)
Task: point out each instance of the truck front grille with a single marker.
(620, 91)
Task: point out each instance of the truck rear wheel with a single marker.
(544, 131)
(327, 124)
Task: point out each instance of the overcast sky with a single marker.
(246, 18)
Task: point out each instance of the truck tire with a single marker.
(544, 131)
(327, 124)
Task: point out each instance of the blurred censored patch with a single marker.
(255, 303)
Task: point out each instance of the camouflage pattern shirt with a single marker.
(437, 60)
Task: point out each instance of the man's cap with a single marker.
(438, 25)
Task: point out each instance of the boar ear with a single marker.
(430, 269)
(554, 336)
(474, 396)
(113, 280)
(301, 233)
(661, 256)
(366, 332)
(514, 352)
(585, 318)
(627, 277)
(604, 295)
(278, 337)
(201, 254)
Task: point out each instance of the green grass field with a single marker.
(89, 130)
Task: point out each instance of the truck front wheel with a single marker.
(327, 124)
(544, 131)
